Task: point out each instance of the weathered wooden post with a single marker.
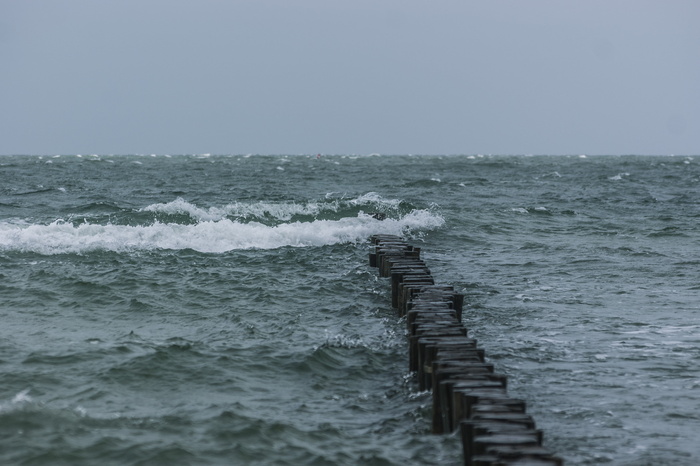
(467, 393)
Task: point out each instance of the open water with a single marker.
(215, 310)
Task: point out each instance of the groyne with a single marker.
(467, 393)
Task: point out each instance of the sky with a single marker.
(350, 77)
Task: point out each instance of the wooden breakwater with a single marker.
(467, 393)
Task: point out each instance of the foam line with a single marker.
(218, 236)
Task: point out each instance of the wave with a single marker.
(208, 236)
(266, 211)
(236, 210)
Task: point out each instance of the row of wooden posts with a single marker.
(467, 393)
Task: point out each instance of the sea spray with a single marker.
(209, 236)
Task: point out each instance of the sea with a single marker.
(212, 309)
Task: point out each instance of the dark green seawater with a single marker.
(216, 310)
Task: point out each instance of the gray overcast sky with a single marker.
(350, 77)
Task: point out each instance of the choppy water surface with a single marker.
(219, 310)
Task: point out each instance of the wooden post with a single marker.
(467, 393)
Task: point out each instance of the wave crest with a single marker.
(215, 232)
(269, 211)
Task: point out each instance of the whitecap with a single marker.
(618, 176)
(375, 200)
(211, 236)
(277, 210)
(342, 341)
(180, 206)
(554, 174)
(22, 397)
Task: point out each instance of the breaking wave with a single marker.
(214, 231)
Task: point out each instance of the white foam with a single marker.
(276, 210)
(279, 210)
(342, 341)
(180, 206)
(375, 200)
(211, 236)
(22, 397)
(618, 176)
(18, 400)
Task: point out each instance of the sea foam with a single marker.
(209, 236)
(278, 210)
(281, 210)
